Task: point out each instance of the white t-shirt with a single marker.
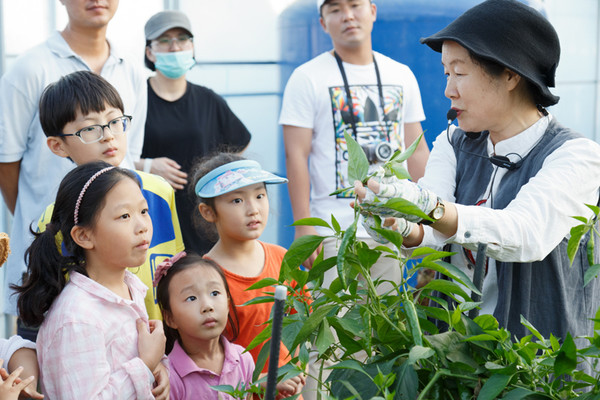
(315, 98)
(22, 137)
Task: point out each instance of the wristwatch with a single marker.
(436, 214)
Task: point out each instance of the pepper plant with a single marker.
(408, 357)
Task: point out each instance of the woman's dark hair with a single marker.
(82, 91)
(46, 264)
(202, 167)
(494, 69)
(149, 64)
(163, 299)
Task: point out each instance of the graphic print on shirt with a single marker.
(379, 135)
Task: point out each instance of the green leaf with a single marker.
(595, 209)
(321, 267)
(399, 170)
(525, 394)
(405, 207)
(344, 253)
(447, 287)
(325, 337)
(590, 274)
(566, 359)
(403, 156)
(494, 386)
(300, 250)
(260, 338)
(264, 283)
(418, 353)
(528, 325)
(413, 321)
(453, 272)
(577, 233)
(335, 224)
(407, 382)
(487, 322)
(358, 165)
(311, 222)
(311, 323)
(392, 236)
(348, 189)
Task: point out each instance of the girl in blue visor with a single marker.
(232, 196)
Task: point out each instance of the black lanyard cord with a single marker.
(349, 95)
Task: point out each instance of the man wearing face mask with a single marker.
(185, 121)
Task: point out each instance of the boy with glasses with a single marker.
(184, 121)
(82, 117)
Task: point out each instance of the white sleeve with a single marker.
(440, 178)
(12, 344)
(540, 216)
(298, 106)
(135, 139)
(413, 111)
(17, 113)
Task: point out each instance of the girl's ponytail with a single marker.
(45, 277)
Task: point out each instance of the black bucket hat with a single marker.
(511, 34)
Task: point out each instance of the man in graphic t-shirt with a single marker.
(348, 89)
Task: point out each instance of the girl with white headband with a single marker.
(232, 195)
(95, 340)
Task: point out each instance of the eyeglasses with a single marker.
(164, 42)
(95, 133)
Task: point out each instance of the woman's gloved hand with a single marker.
(382, 188)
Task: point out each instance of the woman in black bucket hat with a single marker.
(509, 176)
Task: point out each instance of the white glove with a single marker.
(402, 226)
(392, 187)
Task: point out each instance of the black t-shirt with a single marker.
(197, 124)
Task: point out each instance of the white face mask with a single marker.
(174, 64)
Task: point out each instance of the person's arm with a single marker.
(418, 161)
(27, 359)
(9, 183)
(297, 143)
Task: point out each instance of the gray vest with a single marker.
(549, 293)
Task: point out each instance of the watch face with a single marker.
(438, 212)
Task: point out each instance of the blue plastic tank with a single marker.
(396, 33)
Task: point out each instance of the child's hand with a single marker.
(162, 388)
(151, 343)
(11, 385)
(290, 387)
(26, 358)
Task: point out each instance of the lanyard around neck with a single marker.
(349, 94)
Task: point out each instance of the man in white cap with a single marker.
(29, 172)
(348, 89)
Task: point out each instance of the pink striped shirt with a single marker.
(87, 344)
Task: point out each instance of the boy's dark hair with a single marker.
(46, 265)
(82, 91)
(162, 297)
(202, 167)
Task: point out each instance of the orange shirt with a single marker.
(253, 317)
